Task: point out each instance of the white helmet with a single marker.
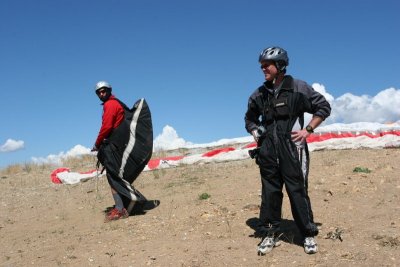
(102, 84)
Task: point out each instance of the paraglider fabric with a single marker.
(128, 150)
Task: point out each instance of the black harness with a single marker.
(275, 103)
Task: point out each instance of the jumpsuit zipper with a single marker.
(275, 134)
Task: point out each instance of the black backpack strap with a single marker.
(122, 104)
(295, 89)
(260, 101)
(301, 121)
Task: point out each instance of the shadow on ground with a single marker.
(140, 208)
(289, 232)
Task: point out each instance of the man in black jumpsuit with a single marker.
(275, 118)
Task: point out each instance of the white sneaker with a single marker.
(310, 245)
(267, 244)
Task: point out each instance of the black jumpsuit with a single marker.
(281, 161)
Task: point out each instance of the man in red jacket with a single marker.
(113, 115)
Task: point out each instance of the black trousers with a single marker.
(281, 163)
(126, 190)
(110, 157)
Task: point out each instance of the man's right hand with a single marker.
(255, 135)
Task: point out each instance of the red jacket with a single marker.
(113, 115)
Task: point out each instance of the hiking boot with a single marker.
(108, 209)
(115, 214)
(310, 245)
(267, 244)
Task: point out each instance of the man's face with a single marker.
(103, 94)
(269, 69)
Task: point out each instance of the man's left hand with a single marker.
(300, 136)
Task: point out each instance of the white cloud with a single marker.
(357, 112)
(12, 145)
(384, 107)
(349, 108)
(77, 150)
(321, 89)
(169, 139)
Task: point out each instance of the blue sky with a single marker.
(194, 61)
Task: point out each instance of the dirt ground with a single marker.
(44, 224)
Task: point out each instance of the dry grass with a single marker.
(82, 163)
(44, 224)
(26, 168)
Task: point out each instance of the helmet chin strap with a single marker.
(280, 71)
(276, 78)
